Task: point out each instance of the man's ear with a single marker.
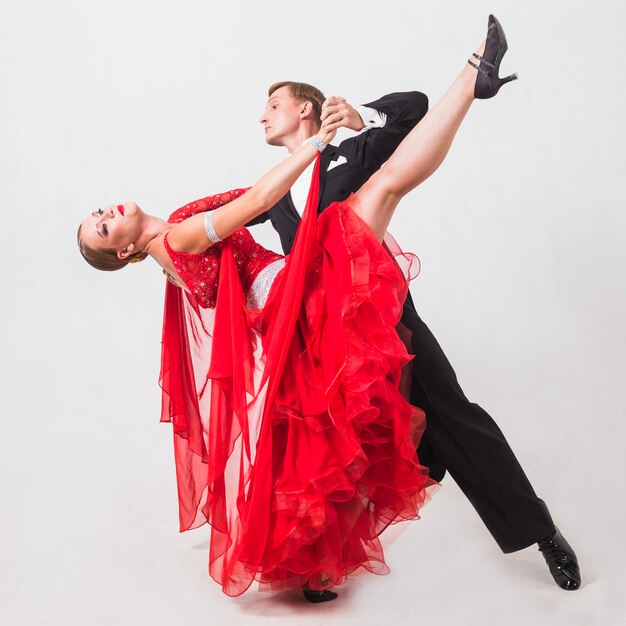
(126, 252)
(306, 109)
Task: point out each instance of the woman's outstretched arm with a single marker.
(189, 236)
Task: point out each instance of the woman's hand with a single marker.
(326, 134)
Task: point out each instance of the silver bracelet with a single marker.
(209, 229)
(317, 143)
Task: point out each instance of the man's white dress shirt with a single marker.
(300, 189)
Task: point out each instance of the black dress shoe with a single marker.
(488, 81)
(561, 560)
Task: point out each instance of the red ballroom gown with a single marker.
(280, 376)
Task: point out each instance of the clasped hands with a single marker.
(338, 113)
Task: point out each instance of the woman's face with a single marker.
(114, 227)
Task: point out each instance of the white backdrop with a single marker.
(521, 239)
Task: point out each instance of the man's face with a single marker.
(282, 116)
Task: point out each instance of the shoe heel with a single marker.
(507, 79)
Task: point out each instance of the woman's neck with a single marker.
(153, 228)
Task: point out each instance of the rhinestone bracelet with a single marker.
(317, 143)
(209, 229)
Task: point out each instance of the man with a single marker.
(460, 436)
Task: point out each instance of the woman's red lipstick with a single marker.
(120, 208)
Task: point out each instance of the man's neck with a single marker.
(294, 142)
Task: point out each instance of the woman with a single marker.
(281, 375)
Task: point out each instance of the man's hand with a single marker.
(337, 113)
(172, 279)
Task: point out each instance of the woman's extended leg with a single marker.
(424, 148)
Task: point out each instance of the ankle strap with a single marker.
(480, 69)
(482, 60)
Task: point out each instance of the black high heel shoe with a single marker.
(488, 82)
(318, 596)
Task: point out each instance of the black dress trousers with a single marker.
(463, 439)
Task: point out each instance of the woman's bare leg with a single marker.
(418, 156)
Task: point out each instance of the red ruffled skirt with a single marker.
(292, 438)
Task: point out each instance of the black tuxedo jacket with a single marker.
(364, 154)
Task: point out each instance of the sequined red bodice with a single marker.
(200, 272)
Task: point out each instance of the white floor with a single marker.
(100, 548)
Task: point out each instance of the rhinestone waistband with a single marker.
(260, 288)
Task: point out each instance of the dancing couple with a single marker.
(299, 386)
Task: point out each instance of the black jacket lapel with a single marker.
(288, 209)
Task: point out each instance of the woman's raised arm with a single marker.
(190, 236)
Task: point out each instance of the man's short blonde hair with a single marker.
(303, 92)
